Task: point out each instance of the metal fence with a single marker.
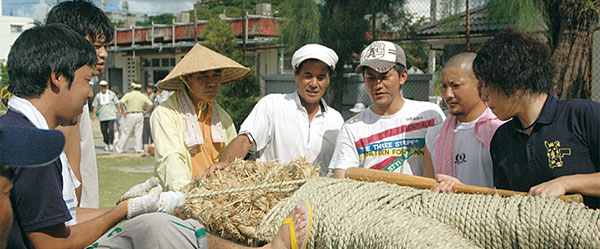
(416, 87)
(429, 12)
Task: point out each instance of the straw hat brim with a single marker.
(200, 59)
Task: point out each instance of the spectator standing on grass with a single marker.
(106, 106)
(134, 117)
(152, 96)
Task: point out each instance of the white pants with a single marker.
(154, 231)
(132, 121)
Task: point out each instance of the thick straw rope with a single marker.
(236, 190)
(353, 214)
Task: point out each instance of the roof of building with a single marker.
(479, 23)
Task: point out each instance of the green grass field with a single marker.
(116, 174)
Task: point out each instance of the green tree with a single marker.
(162, 18)
(568, 26)
(236, 97)
(300, 25)
(342, 27)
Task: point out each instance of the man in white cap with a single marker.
(106, 107)
(190, 130)
(284, 127)
(390, 134)
(134, 117)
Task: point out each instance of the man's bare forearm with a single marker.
(81, 235)
(238, 148)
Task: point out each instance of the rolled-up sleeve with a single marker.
(258, 124)
(344, 155)
(172, 165)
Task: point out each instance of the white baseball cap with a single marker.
(381, 56)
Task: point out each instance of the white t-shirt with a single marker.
(472, 160)
(392, 143)
(279, 129)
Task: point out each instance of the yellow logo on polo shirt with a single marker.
(556, 154)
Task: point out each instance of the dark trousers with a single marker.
(108, 131)
(147, 134)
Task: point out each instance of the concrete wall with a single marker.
(10, 28)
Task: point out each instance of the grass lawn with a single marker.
(116, 174)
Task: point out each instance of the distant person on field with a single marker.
(152, 96)
(458, 150)
(358, 107)
(138, 105)
(106, 107)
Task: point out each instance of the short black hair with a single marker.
(513, 61)
(82, 16)
(39, 51)
(299, 68)
(7, 172)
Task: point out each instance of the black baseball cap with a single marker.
(27, 146)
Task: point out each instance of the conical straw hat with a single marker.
(201, 58)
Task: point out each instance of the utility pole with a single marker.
(101, 4)
(57, 2)
(196, 5)
(468, 28)
(244, 31)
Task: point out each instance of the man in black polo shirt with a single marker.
(550, 146)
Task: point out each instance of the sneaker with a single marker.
(118, 150)
(111, 147)
(107, 148)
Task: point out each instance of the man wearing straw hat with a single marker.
(284, 127)
(190, 130)
(134, 117)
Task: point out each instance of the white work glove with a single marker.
(143, 187)
(171, 200)
(144, 204)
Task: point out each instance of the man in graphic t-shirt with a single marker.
(390, 134)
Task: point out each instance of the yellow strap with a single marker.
(201, 105)
(290, 223)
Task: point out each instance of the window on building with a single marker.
(156, 62)
(16, 28)
(165, 62)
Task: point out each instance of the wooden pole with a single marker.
(468, 27)
(244, 31)
(371, 175)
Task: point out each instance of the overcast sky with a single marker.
(38, 8)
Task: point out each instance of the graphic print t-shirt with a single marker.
(392, 143)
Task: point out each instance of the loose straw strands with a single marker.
(234, 201)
